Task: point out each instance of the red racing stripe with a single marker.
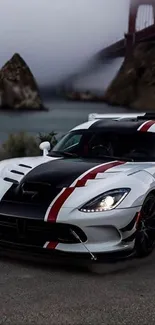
(58, 204)
(53, 213)
(145, 127)
(93, 173)
(52, 245)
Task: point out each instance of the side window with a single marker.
(74, 140)
(97, 139)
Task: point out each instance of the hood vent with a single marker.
(32, 193)
(37, 193)
(35, 189)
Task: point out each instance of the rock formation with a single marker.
(134, 85)
(18, 88)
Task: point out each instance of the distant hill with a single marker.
(51, 91)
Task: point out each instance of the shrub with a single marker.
(24, 145)
(50, 137)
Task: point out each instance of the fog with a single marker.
(56, 36)
(102, 78)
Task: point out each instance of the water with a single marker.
(61, 117)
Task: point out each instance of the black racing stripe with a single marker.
(95, 125)
(31, 201)
(17, 172)
(108, 125)
(130, 225)
(60, 172)
(22, 210)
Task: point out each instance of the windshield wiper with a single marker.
(64, 154)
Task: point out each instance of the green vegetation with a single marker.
(25, 145)
(50, 137)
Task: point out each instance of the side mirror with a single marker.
(45, 147)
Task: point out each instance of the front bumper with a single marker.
(109, 232)
(101, 235)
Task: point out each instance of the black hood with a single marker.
(60, 172)
(32, 196)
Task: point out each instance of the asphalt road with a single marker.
(32, 293)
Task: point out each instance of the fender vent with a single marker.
(17, 172)
(11, 180)
(26, 166)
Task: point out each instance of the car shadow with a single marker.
(127, 266)
(78, 267)
(43, 264)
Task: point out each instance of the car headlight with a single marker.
(106, 201)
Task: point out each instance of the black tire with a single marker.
(145, 236)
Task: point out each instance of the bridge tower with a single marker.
(133, 12)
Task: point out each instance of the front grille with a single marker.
(36, 232)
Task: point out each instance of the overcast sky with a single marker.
(56, 36)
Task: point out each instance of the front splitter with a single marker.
(55, 256)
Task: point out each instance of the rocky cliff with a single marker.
(134, 85)
(18, 88)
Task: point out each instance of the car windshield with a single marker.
(138, 146)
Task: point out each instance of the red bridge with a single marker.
(141, 28)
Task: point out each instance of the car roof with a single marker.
(123, 125)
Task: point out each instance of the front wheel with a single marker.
(145, 237)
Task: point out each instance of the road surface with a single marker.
(32, 293)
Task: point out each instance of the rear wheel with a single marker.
(145, 237)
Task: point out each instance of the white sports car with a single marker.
(92, 195)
